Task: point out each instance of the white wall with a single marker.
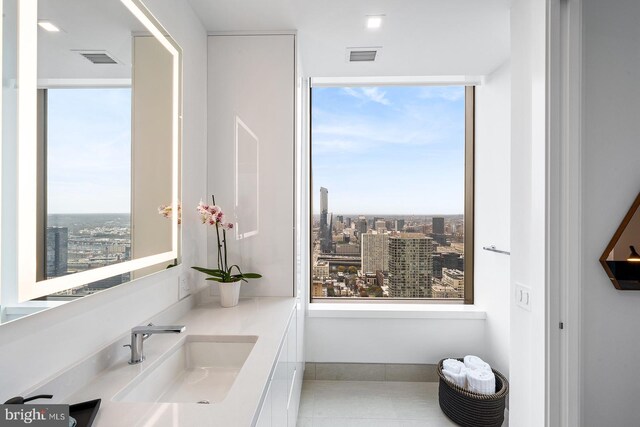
(611, 181)
(253, 77)
(35, 348)
(528, 211)
(492, 211)
(392, 340)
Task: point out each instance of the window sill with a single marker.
(397, 311)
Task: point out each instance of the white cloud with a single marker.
(368, 94)
(375, 95)
(413, 126)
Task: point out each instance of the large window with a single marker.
(392, 193)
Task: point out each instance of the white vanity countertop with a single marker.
(266, 317)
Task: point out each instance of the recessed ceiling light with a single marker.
(374, 21)
(48, 26)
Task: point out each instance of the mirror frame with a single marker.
(28, 287)
(614, 240)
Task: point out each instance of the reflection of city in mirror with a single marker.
(79, 242)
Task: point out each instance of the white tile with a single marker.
(371, 404)
(435, 422)
(306, 401)
(331, 422)
(352, 399)
(368, 422)
(304, 422)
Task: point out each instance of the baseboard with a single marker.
(371, 372)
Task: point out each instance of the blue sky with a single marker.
(389, 150)
(89, 151)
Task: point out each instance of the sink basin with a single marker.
(201, 370)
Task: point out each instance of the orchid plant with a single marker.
(214, 216)
(167, 212)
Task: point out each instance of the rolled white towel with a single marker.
(474, 362)
(458, 378)
(452, 365)
(481, 381)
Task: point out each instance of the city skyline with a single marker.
(400, 215)
(80, 242)
(401, 148)
(386, 256)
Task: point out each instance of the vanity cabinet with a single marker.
(266, 413)
(280, 405)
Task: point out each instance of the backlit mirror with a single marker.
(620, 259)
(98, 137)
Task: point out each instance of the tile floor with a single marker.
(370, 404)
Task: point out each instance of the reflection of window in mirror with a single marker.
(106, 133)
(85, 182)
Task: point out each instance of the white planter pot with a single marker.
(229, 294)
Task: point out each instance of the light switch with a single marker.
(523, 296)
(184, 289)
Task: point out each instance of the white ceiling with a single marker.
(419, 37)
(102, 25)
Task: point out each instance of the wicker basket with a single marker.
(470, 409)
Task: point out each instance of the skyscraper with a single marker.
(450, 260)
(324, 206)
(57, 251)
(438, 225)
(410, 266)
(325, 227)
(361, 225)
(437, 231)
(375, 252)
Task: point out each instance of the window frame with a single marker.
(469, 196)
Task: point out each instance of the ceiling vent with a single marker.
(363, 54)
(98, 57)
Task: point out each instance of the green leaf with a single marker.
(236, 266)
(251, 275)
(211, 272)
(215, 279)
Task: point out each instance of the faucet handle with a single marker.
(145, 336)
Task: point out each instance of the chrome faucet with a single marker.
(140, 333)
